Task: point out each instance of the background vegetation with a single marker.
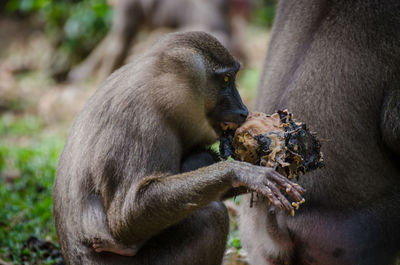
(74, 27)
(27, 171)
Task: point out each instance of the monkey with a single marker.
(119, 177)
(335, 64)
(212, 16)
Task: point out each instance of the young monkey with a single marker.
(129, 177)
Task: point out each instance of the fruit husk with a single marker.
(275, 141)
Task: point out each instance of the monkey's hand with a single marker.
(268, 183)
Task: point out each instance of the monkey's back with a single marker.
(109, 147)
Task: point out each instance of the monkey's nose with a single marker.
(244, 113)
(241, 115)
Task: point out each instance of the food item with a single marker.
(276, 141)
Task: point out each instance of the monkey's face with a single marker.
(228, 108)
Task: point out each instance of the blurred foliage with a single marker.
(74, 25)
(263, 12)
(77, 25)
(234, 239)
(26, 181)
(247, 82)
(26, 125)
(12, 104)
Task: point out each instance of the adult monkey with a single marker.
(336, 66)
(118, 177)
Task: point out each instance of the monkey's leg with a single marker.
(197, 240)
(100, 245)
(96, 230)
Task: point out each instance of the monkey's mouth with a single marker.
(226, 125)
(222, 127)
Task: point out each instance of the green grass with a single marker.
(26, 198)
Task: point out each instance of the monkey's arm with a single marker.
(161, 201)
(390, 122)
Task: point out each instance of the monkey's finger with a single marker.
(286, 184)
(299, 188)
(281, 198)
(267, 192)
(282, 181)
(295, 195)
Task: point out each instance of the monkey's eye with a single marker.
(226, 78)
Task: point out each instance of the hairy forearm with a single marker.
(161, 201)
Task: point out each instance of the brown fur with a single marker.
(118, 177)
(335, 65)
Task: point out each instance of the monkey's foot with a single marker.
(100, 246)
